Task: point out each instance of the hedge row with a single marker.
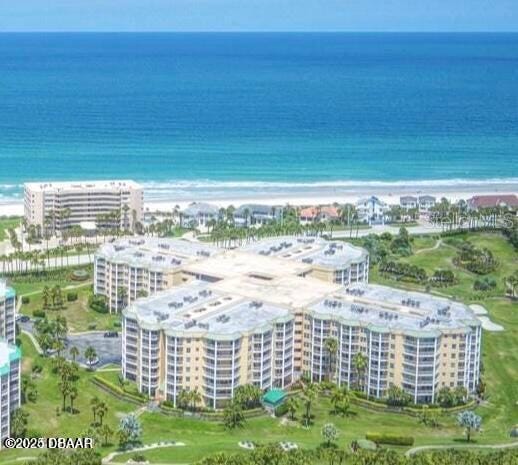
(117, 391)
(391, 439)
(208, 415)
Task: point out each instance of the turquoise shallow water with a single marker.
(206, 114)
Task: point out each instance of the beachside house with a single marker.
(319, 213)
(199, 215)
(426, 203)
(372, 210)
(408, 202)
(256, 214)
(506, 201)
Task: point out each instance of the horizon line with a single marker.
(194, 31)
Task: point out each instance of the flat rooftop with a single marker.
(197, 308)
(237, 263)
(154, 252)
(385, 308)
(309, 250)
(45, 186)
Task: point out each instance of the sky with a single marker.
(258, 15)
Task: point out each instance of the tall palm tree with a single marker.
(309, 394)
(360, 363)
(331, 345)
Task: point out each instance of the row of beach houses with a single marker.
(369, 210)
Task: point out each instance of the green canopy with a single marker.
(274, 397)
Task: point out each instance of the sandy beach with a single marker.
(312, 196)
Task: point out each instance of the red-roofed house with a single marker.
(490, 201)
(312, 214)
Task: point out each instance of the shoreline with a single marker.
(318, 194)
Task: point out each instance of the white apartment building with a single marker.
(10, 379)
(57, 206)
(7, 313)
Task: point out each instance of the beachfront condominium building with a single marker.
(9, 386)
(7, 313)
(261, 315)
(214, 337)
(136, 267)
(58, 206)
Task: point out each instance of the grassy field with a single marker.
(7, 223)
(80, 317)
(34, 283)
(500, 350)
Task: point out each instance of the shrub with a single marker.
(98, 304)
(484, 284)
(391, 439)
(138, 458)
(25, 300)
(71, 296)
(92, 326)
(281, 410)
(38, 314)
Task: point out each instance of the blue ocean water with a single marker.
(214, 112)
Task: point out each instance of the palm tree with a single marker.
(233, 416)
(73, 392)
(102, 409)
(331, 346)
(94, 402)
(360, 363)
(74, 353)
(309, 394)
(292, 404)
(90, 355)
(195, 398)
(106, 432)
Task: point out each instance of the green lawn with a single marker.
(80, 317)
(8, 223)
(35, 282)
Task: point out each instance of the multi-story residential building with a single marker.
(7, 313)
(58, 206)
(199, 215)
(131, 268)
(262, 315)
(408, 202)
(426, 202)
(256, 214)
(371, 210)
(10, 376)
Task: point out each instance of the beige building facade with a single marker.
(261, 315)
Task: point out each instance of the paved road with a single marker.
(108, 349)
(380, 229)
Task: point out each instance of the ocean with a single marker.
(215, 115)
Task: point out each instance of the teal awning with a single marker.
(274, 397)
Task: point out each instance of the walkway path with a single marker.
(507, 445)
(156, 445)
(429, 249)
